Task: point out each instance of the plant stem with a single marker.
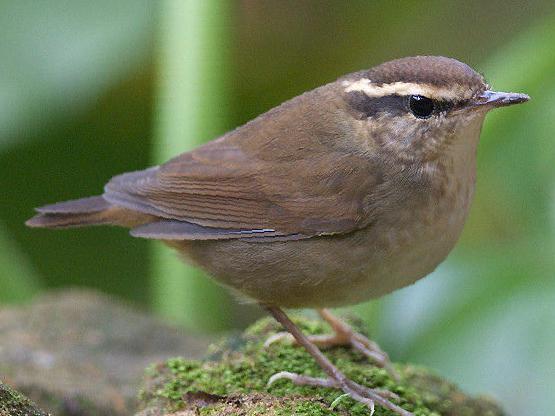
(191, 109)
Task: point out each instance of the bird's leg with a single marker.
(343, 335)
(336, 379)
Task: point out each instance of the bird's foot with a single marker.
(362, 394)
(336, 379)
(343, 335)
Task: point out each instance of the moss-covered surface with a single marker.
(233, 381)
(79, 352)
(13, 403)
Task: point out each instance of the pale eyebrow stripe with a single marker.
(366, 86)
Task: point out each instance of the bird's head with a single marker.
(417, 108)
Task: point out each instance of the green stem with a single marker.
(191, 109)
(18, 280)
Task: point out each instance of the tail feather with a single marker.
(94, 210)
(76, 213)
(76, 206)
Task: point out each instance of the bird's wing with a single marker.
(221, 190)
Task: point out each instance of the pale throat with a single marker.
(458, 170)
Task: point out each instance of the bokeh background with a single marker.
(92, 89)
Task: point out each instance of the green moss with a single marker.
(241, 366)
(13, 403)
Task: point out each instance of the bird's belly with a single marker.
(335, 270)
(413, 251)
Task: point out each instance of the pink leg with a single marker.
(344, 335)
(336, 379)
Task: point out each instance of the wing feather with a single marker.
(241, 183)
(222, 188)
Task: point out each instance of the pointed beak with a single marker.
(500, 99)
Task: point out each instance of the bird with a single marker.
(340, 195)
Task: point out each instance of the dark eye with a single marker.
(420, 106)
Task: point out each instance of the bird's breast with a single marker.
(414, 238)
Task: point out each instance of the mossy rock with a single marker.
(13, 403)
(232, 380)
(80, 352)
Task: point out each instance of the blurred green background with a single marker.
(92, 89)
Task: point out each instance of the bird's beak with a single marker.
(499, 99)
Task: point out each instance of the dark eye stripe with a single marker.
(370, 106)
(393, 105)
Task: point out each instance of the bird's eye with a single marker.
(420, 106)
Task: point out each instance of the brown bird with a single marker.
(342, 194)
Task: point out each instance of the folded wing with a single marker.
(223, 191)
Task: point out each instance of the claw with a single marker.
(358, 392)
(371, 350)
(280, 336)
(344, 335)
(301, 380)
(279, 376)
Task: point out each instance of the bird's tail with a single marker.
(94, 210)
